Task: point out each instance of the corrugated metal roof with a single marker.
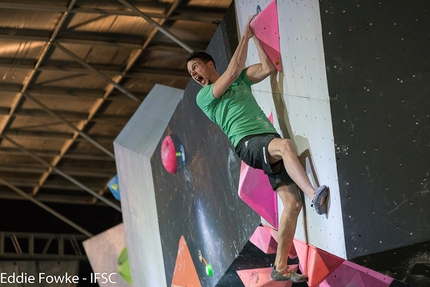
(75, 69)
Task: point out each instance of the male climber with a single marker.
(228, 101)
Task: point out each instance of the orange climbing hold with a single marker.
(185, 273)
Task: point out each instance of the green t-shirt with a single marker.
(236, 112)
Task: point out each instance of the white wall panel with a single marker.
(298, 98)
(103, 251)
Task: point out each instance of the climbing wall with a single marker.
(298, 99)
(178, 224)
(378, 65)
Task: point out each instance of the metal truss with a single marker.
(41, 246)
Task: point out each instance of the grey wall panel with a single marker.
(134, 148)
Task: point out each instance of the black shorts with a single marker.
(253, 150)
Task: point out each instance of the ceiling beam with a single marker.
(190, 13)
(53, 198)
(55, 135)
(68, 124)
(51, 153)
(85, 38)
(19, 97)
(71, 116)
(159, 27)
(75, 171)
(56, 185)
(96, 72)
(71, 92)
(111, 70)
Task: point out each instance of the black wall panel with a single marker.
(378, 67)
(200, 201)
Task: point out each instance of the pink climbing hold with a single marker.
(266, 29)
(351, 274)
(168, 155)
(256, 191)
(263, 239)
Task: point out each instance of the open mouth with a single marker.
(199, 80)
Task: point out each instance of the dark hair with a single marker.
(205, 57)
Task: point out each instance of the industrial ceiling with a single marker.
(72, 74)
